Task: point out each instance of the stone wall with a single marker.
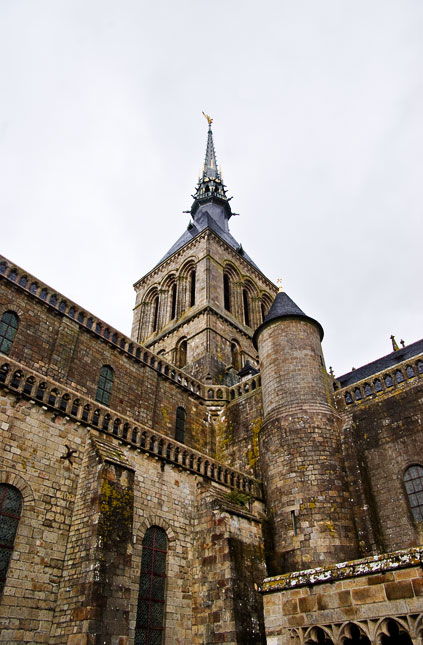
(33, 444)
(238, 439)
(52, 344)
(382, 436)
(74, 574)
(366, 593)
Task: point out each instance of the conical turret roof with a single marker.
(284, 307)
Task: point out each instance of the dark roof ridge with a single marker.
(381, 364)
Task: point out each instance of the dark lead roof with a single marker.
(284, 307)
(211, 216)
(381, 364)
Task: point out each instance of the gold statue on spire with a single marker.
(209, 119)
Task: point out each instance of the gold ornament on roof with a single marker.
(209, 119)
(279, 281)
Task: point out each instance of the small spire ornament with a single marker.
(209, 119)
(279, 282)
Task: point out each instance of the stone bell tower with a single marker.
(302, 463)
(201, 303)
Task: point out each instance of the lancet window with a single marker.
(180, 424)
(182, 353)
(235, 356)
(10, 513)
(413, 480)
(173, 300)
(192, 279)
(8, 328)
(226, 292)
(155, 313)
(105, 384)
(246, 305)
(151, 599)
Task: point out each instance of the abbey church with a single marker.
(205, 480)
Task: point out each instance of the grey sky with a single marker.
(318, 127)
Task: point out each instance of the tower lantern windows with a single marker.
(226, 292)
(192, 278)
(173, 297)
(155, 313)
(246, 305)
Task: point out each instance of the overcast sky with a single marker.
(318, 127)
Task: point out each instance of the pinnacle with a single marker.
(210, 187)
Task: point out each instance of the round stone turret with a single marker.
(300, 448)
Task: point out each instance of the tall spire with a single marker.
(210, 187)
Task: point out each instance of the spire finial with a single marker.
(279, 281)
(394, 343)
(209, 119)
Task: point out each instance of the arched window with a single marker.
(155, 313)
(182, 353)
(354, 636)
(246, 304)
(173, 295)
(8, 328)
(151, 599)
(235, 356)
(226, 292)
(10, 513)
(396, 634)
(180, 425)
(192, 288)
(319, 636)
(105, 383)
(413, 480)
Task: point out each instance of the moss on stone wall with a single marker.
(253, 453)
(116, 513)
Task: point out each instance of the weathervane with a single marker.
(209, 119)
(279, 281)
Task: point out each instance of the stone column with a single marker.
(237, 308)
(181, 296)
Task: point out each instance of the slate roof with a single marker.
(202, 221)
(284, 307)
(381, 364)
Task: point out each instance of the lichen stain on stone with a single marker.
(165, 415)
(116, 511)
(366, 566)
(331, 528)
(254, 452)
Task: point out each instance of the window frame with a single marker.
(8, 330)
(180, 423)
(409, 493)
(105, 385)
(10, 544)
(146, 600)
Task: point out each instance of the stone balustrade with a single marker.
(223, 393)
(70, 404)
(398, 376)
